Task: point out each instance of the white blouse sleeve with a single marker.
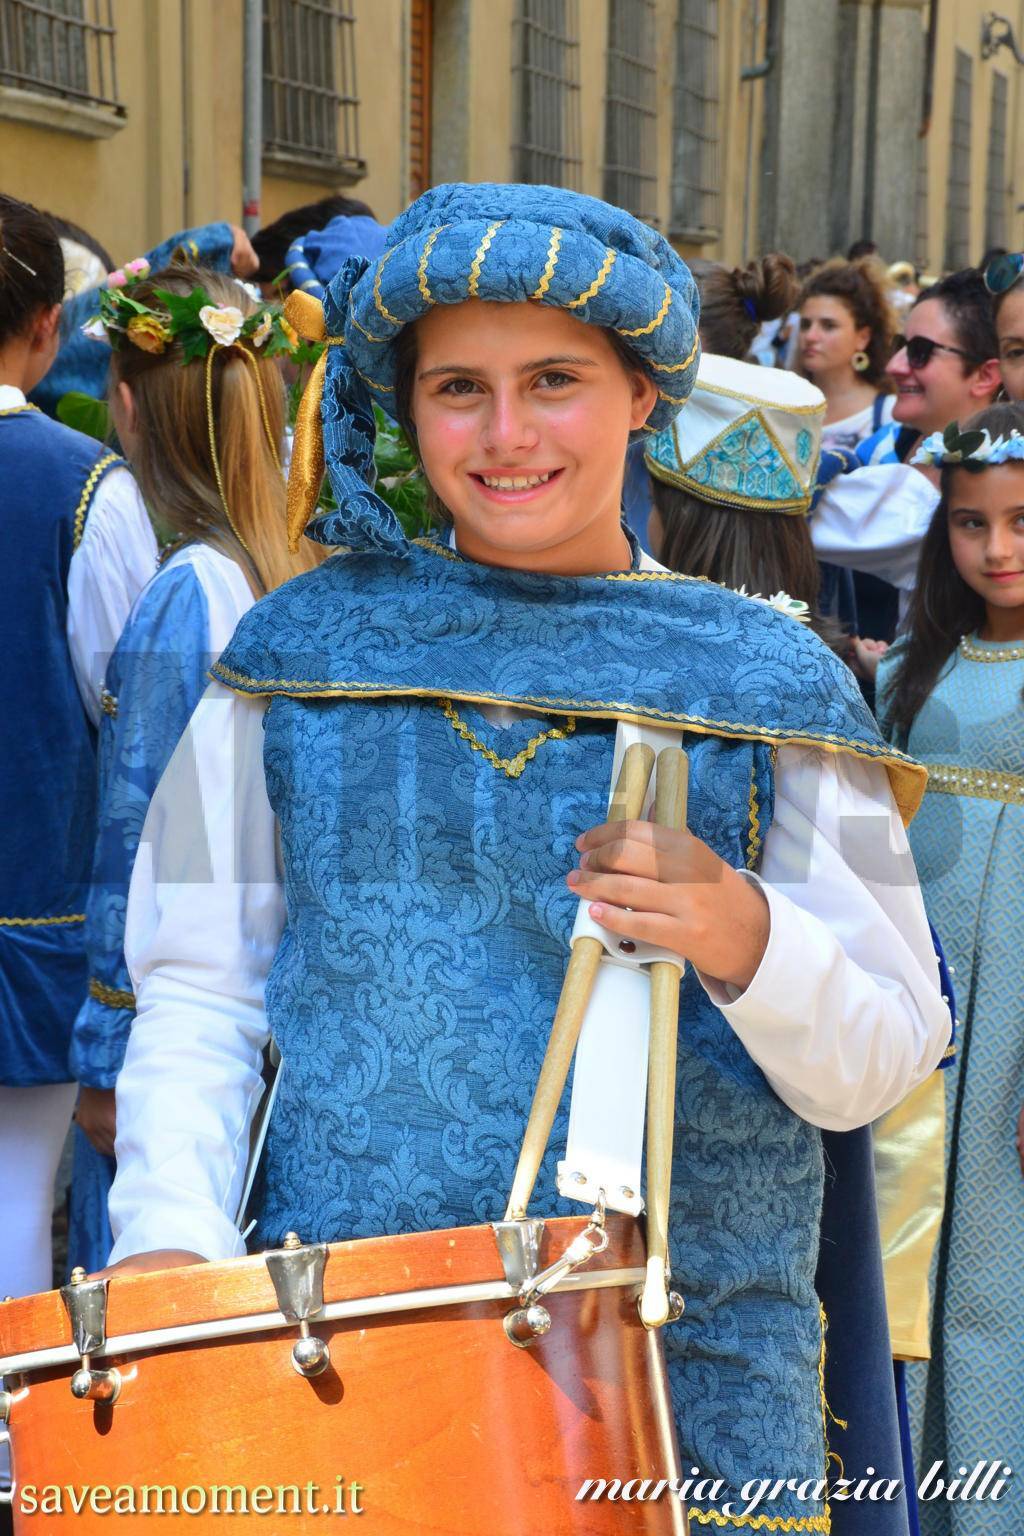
(205, 914)
(844, 1015)
(874, 519)
(117, 556)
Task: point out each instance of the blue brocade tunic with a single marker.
(428, 921)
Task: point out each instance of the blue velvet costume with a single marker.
(48, 766)
(425, 849)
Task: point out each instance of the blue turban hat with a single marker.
(505, 243)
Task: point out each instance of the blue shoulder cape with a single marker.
(653, 647)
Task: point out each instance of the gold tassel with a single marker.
(306, 474)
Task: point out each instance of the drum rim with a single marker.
(396, 1302)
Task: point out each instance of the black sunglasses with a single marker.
(920, 349)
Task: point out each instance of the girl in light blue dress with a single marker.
(952, 694)
(198, 403)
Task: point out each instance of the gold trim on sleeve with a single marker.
(110, 997)
(84, 501)
(42, 922)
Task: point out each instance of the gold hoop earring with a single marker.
(860, 362)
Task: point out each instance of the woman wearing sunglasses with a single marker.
(945, 367)
(1004, 279)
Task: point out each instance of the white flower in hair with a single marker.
(263, 328)
(931, 451)
(95, 329)
(792, 607)
(223, 321)
(1007, 449)
(250, 289)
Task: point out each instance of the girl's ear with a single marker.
(645, 397)
(124, 412)
(45, 329)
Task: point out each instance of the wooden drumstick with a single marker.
(627, 805)
(669, 811)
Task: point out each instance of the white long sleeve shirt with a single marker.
(844, 1014)
(117, 556)
(873, 519)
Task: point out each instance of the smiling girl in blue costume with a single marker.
(953, 688)
(436, 754)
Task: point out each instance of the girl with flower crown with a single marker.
(952, 693)
(198, 403)
(429, 728)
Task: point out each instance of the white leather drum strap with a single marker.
(604, 1147)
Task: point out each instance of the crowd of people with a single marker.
(193, 868)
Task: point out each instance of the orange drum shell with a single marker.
(444, 1424)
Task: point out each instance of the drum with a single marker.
(383, 1378)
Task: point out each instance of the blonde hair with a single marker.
(173, 458)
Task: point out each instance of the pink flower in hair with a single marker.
(137, 268)
(117, 279)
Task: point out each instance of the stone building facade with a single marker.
(735, 126)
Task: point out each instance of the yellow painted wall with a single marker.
(960, 26)
(184, 113)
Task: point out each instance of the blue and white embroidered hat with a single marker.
(747, 437)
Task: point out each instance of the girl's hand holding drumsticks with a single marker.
(668, 888)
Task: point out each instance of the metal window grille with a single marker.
(696, 175)
(995, 191)
(60, 48)
(958, 189)
(546, 85)
(630, 129)
(310, 105)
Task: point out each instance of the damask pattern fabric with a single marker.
(412, 996)
(428, 919)
(673, 649)
(969, 851)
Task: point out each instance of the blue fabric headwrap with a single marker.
(314, 259)
(505, 243)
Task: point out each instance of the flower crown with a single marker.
(977, 449)
(190, 319)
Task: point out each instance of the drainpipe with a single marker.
(252, 116)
